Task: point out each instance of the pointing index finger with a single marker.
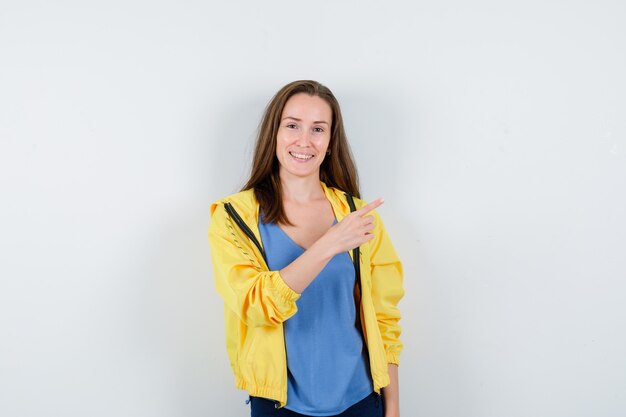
(371, 206)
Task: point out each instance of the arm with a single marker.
(387, 291)
(352, 231)
(268, 298)
(259, 297)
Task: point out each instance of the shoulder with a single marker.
(341, 197)
(243, 201)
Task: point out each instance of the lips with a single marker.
(302, 157)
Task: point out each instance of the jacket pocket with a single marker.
(266, 359)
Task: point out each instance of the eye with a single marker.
(318, 129)
(291, 125)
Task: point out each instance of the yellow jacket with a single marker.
(257, 301)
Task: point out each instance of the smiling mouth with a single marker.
(301, 156)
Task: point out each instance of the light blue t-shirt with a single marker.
(327, 364)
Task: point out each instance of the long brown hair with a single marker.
(337, 170)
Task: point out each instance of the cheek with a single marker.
(282, 138)
(323, 141)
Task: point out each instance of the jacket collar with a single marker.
(337, 200)
(247, 205)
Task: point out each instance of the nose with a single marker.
(303, 137)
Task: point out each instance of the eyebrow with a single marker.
(299, 120)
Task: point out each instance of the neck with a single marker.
(300, 189)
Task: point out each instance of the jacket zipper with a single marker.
(355, 252)
(356, 255)
(235, 216)
(233, 213)
(357, 268)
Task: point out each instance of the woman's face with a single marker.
(303, 135)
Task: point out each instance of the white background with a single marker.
(495, 131)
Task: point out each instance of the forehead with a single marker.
(305, 107)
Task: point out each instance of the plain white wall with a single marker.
(495, 130)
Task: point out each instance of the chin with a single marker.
(303, 174)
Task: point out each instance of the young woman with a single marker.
(309, 277)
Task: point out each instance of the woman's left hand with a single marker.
(391, 393)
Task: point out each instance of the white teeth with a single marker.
(301, 155)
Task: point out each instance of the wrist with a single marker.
(324, 248)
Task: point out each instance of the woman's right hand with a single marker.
(353, 230)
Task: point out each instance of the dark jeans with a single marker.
(370, 406)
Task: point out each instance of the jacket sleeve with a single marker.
(257, 296)
(387, 289)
